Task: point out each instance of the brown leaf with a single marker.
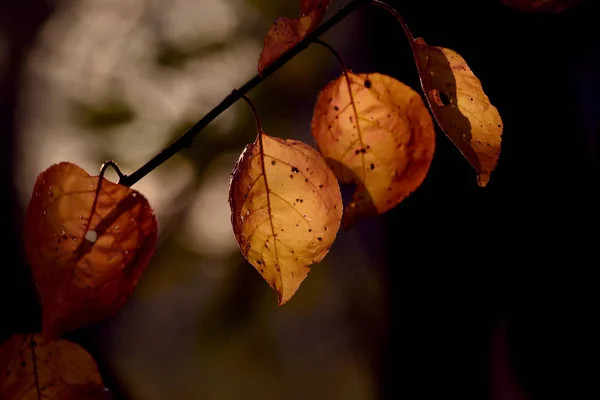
(85, 274)
(461, 108)
(286, 209)
(285, 32)
(375, 132)
(60, 370)
(542, 6)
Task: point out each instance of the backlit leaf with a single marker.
(460, 106)
(286, 209)
(285, 32)
(375, 132)
(59, 370)
(85, 273)
(542, 6)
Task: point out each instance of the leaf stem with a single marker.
(254, 113)
(334, 52)
(187, 138)
(398, 17)
(103, 168)
(34, 366)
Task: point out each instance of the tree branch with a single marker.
(187, 138)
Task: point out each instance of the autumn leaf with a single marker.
(377, 133)
(31, 369)
(460, 106)
(85, 268)
(542, 6)
(286, 209)
(285, 32)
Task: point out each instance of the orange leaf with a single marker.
(285, 32)
(33, 370)
(377, 133)
(460, 106)
(85, 274)
(542, 6)
(286, 209)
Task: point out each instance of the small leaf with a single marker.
(460, 106)
(375, 132)
(285, 32)
(31, 369)
(85, 273)
(286, 209)
(542, 6)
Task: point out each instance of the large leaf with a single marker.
(375, 132)
(542, 6)
(460, 106)
(286, 210)
(61, 370)
(285, 32)
(85, 265)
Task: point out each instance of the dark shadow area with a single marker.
(362, 200)
(524, 248)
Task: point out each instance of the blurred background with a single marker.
(457, 292)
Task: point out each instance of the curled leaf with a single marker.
(286, 209)
(542, 6)
(375, 132)
(31, 369)
(85, 265)
(286, 32)
(460, 106)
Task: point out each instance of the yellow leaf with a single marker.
(542, 6)
(286, 209)
(58, 370)
(375, 132)
(460, 106)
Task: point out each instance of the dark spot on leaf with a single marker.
(295, 170)
(291, 176)
(319, 238)
(259, 262)
(372, 166)
(320, 186)
(444, 98)
(310, 230)
(363, 151)
(367, 84)
(336, 108)
(273, 162)
(305, 179)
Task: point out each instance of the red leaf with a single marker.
(31, 370)
(285, 32)
(83, 274)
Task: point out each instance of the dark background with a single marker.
(466, 265)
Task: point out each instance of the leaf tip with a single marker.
(483, 179)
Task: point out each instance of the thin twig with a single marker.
(187, 138)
